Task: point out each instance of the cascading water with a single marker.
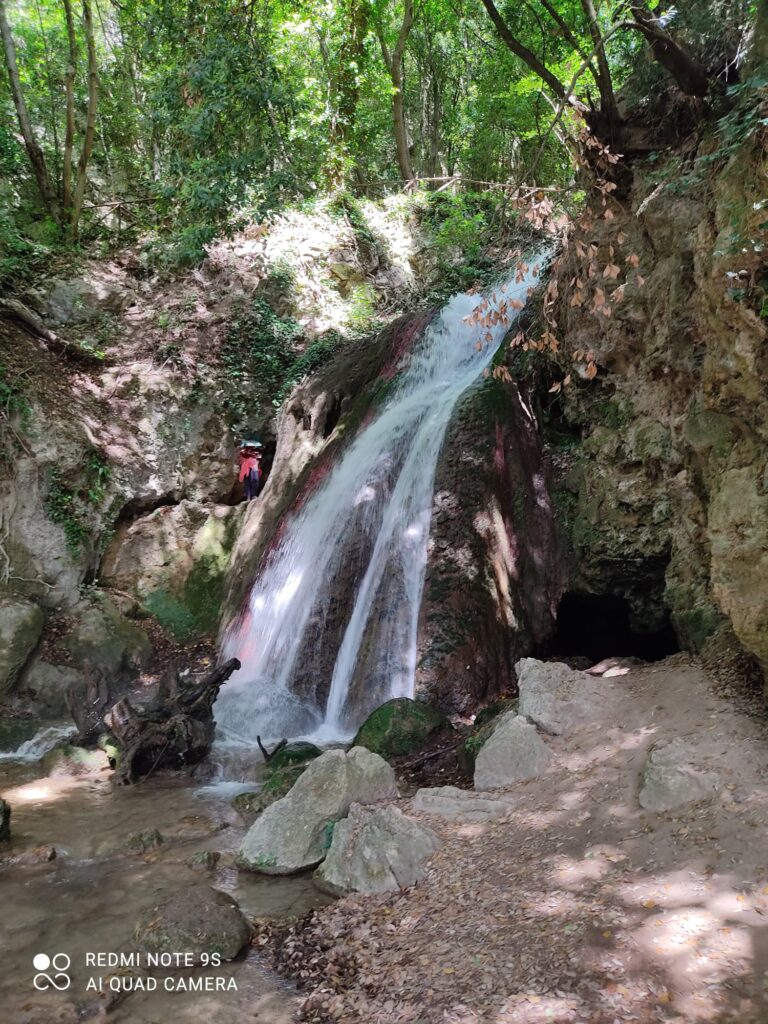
(349, 569)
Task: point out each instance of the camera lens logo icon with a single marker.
(58, 964)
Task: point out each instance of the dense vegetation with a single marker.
(173, 120)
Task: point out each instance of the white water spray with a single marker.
(349, 569)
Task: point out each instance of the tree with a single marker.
(34, 152)
(62, 203)
(394, 64)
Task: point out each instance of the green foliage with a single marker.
(72, 507)
(261, 360)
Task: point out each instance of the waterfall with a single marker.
(330, 631)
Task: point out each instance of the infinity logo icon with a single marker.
(59, 980)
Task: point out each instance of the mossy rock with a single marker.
(485, 724)
(277, 784)
(399, 727)
(491, 711)
(294, 753)
(143, 842)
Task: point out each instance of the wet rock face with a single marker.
(661, 485)
(198, 920)
(21, 624)
(494, 574)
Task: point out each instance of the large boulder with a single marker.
(513, 753)
(106, 641)
(49, 685)
(400, 726)
(674, 777)
(295, 833)
(21, 623)
(173, 560)
(249, 805)
(558, 698)
(197, 920)
(376, 849)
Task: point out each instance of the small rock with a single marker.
(42, 854)
(671, 779)
(5, 821)
(141, 842)
(204, 860)
(513, 753)
(295, 832)
(376, 850)
(198, 920)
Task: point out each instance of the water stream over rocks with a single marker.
(360, 541)
(88, 899)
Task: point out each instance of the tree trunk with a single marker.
(90, 125)
(691, 77)
(69, 87)
(604, 83)
(398, 104)
(346, 90)
(34, 152)
(525, 55)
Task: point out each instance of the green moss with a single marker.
(399, 727)
(696, 625)
(293, 754)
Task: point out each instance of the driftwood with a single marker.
(17, 313)
(174, 730)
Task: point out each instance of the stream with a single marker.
(88, 899)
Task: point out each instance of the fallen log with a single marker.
(174, 730)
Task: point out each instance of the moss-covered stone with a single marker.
(400, 727)
(293, 754)
(277, 784)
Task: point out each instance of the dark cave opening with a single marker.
(598, 626)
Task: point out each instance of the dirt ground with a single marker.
(576, 905)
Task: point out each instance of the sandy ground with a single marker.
(577, 905)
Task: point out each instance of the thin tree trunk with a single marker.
(69, 86)
(90, 125)
(691, 76)
(398, 103)
(34, 152)
(604, 83)
(525, 55)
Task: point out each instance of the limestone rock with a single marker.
(50, 684)
(197, 920)
(173, 560)
(400, 726)
(558, 698)
(21, 623)
(376, 850)
(107, 642)
(673, 779)
(294, 833)
(461, 805)
(513, 753)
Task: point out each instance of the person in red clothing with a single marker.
(250, 468)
